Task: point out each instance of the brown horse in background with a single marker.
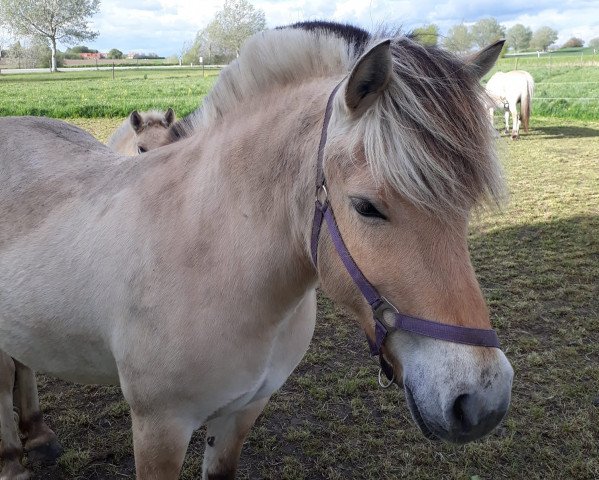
(142, 131)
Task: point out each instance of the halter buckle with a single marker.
(381, 308)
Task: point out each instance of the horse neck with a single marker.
(263, 161)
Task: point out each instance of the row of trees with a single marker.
(462, 38)
(30, 54)
(220, 41)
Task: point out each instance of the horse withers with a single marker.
(142, 131)
(506, 90)
(188, 275)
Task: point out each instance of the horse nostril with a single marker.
(459, 412)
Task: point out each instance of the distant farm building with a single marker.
(91, 56)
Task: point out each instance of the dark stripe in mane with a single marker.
(182, 128)
(353, 35)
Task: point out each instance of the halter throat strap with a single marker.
(379, 304)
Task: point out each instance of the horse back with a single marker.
(44, 164)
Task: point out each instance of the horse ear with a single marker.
(369, 78)
(136, 121)
(169, 116)
(483, 61)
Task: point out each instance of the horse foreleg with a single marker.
(41, 445)
(224, 438)
(12, 451)
(159, 444)
(506, 115)
(515, 123)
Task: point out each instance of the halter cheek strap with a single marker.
(379, 304)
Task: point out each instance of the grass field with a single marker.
(564, 89)
(538, 265)
(91, 94)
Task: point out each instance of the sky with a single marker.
(165, 26)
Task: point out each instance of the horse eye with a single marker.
(366, 209)
(141, 150)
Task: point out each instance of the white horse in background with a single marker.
(505, 91)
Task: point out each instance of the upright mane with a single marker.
(426, 137)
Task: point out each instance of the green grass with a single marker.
(538, 265)
(91, 94)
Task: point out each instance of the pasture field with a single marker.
(95, 93)
(564, 89)
(538, 264)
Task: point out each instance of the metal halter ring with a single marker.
(322, 195)
(381, 382)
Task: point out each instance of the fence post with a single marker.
(581, 54)
(113, 70)
(517, 58)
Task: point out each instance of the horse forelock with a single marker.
(427, 136)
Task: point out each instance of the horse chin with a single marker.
(417, 416)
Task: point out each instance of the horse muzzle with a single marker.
(466, 419)
(459, 401)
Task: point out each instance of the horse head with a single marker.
(402, 176)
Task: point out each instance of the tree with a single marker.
(542, 38)
(458, 39)
(427, 35)
(487, 31)
(115, 53)
(206, 47)
(39, 55)
(55, 21)
(185, 46)
(573, 43)
(4, 40)
(17, 52)
(518, 37)
(594, 42)
(232, 25)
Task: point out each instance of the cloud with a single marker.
(162, 26)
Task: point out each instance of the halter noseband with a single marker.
(379, 304)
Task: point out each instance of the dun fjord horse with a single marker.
(506, 90)
(142, 132)
(188, 277)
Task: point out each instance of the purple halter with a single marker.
(378, 303)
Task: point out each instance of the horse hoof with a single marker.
(45, 454)
(14, 471)
(515, 137)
